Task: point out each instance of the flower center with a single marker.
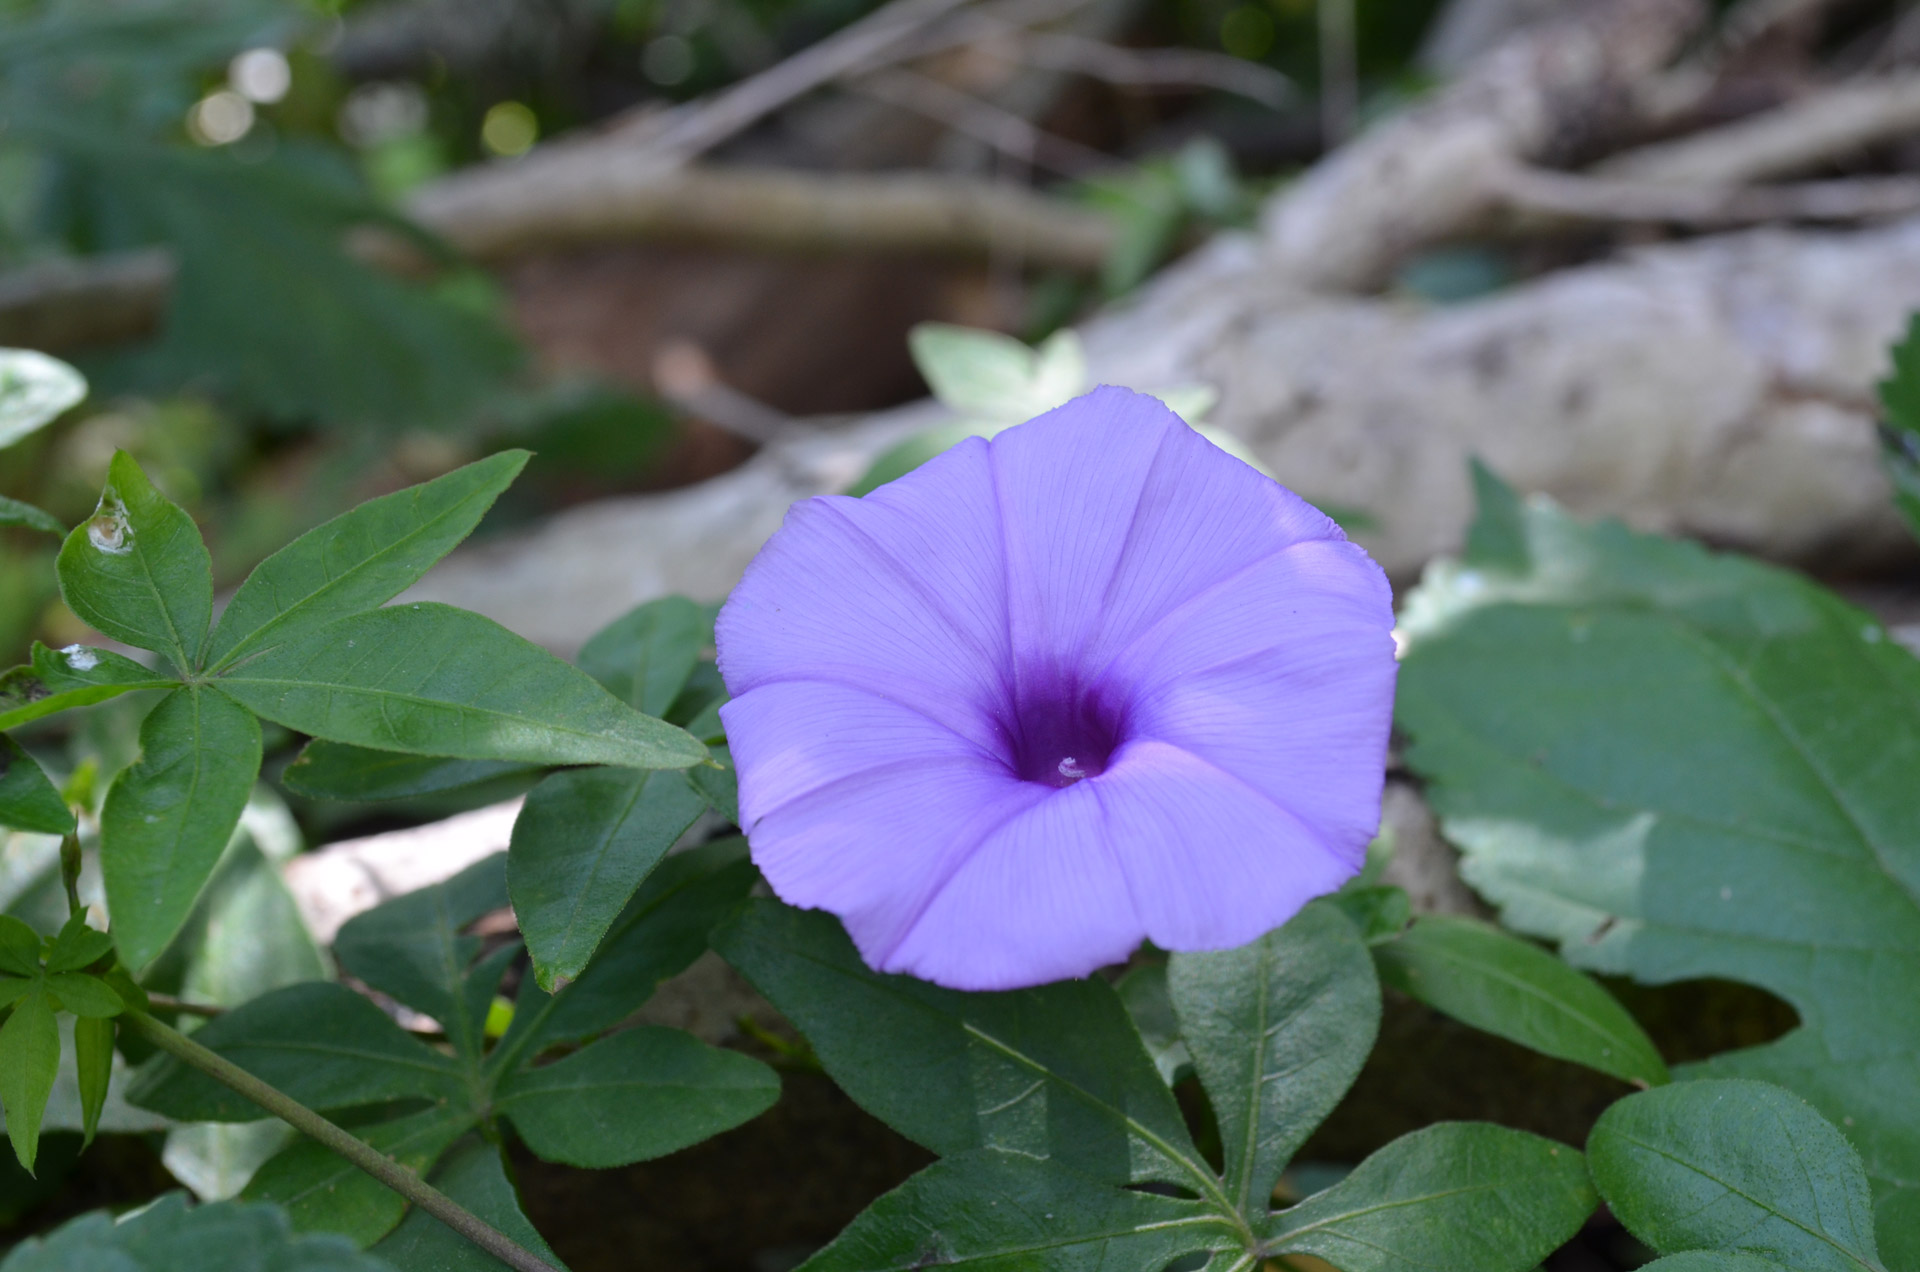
(1059, 738)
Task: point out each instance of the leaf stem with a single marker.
(355, 1150)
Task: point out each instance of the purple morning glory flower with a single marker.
(1092, 681)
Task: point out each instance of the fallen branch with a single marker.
(1156, 68)
(1432, 173)
(1542, 196)
(492, 215)
(1834, 123)
(974, 117)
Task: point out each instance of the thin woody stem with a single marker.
(355, 1150)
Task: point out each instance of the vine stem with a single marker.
(355, 1150)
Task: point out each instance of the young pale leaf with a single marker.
(1278, 1030)
(642, 1093)
(413, 947)
(323, 1192)
(29, 1061)
(436, 680)
(170, 1236)
(985, 375)
(320, 1043)
(1493, 981)
(168, 817)
(1735, 1165)
(27, 799)
(645, 656)
(72, 677)
(1055, 1072)
(34, 390)
(583, 843)
(93, 1064)
(990, 1211)
(138, 570)
(334, 770)
(1681, 765)
(662, 930)
(359, 560)
(1455, 1195)
(24, 516)
(473, 1176)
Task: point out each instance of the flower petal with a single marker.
(861, 806)
(1210, 861)
(901, 593)
(1283, 679)
(1040, 898)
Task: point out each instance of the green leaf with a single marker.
(639, 1094)
(442, 681)
(86, 996)
(320, 1043)
(1681, 765)
(1143, 992)
(35, 390)
(1713, 1261)
(718, 787)
(170, 1236)
(1499, 983)
(20, 947)
(1003, 1212)
(413, 947)
(645, 656)
(77, 945)
(1055, 1072)
(662, 930)
(168, 817)
(1735, 1165)
(138, 570)
(72, 677)
(1278, 1030)
(1455, 1195)
(909, 453)
(334, 770)
(93, 1063)
(1900, 434)
(1380, 913)
(28, 800)
(359, 560)
(582, 844)
(14, 514)
(29, 1060)
(323, 1192)
(473, 1176)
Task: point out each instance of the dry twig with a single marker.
(1556, 196)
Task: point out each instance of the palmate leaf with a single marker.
(1278, 1030)
(1497, 982)
(645, 657)
(34, 390)
(335, 770)
(582, 844)
(441, 681)
(1048, 1096)
(1455, 1195)
(72, 677)
(168, 1236)
(1736, 1166)
(1900, 433)
(29, 1062)
(359, 560)
(168, 817)
(27, 799)
(641, 1093)
(473, 1176)
(323, 1192)
(1683, 765)
(138, 569)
